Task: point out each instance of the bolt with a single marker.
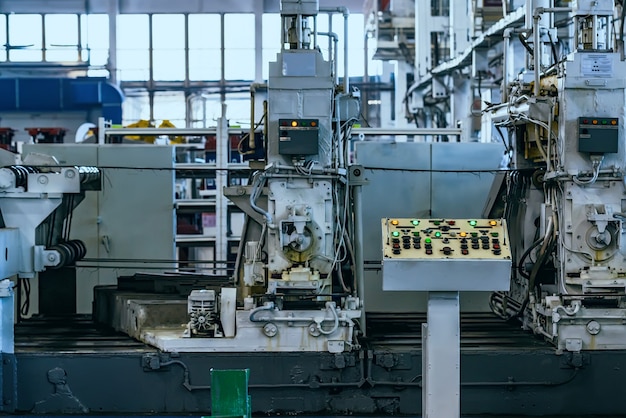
(70, 174)
(51, 257)
(42, 180)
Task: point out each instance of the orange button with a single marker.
(463, 234)
(493, 223)
(395, 222)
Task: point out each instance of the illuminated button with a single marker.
(395, 222)
(493, 223)
(427, 240)
(604, 121)
(464, 252)
(415, 222)
(613, 122)
(473, 223)
(313, 123)
(395, 234)
(496, 246)
(437, 234)
(463, 234)
(494, 234)
(594, 122)
(294, 123)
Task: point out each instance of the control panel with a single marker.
(598, 135)
(298, 136)
(445, 254)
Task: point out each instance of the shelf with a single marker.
(194, 238)
(194, 203)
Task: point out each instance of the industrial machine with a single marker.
(564, 197)
(333, 314)
(294, 287)
(37, 198)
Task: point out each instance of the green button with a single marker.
(427, 240)
(494, 234)
(395, 234)
(436, 222)
(473, 223)
(474, 234)
(416, 233)
(415, 222)
(437, 234)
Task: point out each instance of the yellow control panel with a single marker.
(445, 238)
(445, 254)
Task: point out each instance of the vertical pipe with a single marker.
(346, 82)
(537, 53)
(79, 43)
(43, 38)
(358, 250)
(112, 62)
(222, 55)
(505, 66)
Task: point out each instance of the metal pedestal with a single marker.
(441, 352)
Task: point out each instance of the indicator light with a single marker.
(416, 233)
(395, 222)
(436, 222)
(472, 223)
(437, 234)
(313, 123)
(427, 240)
(303, 123)
(493, 223)
(585, 121)
(294, 123)
(451, 222)
(415, 222)
(604, 121)
(613, 122)
(594, 122)
(463, 234)
(494, 234)
(395, 234)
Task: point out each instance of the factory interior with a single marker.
(313, 208)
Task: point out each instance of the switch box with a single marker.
(298, 136)
(598, 135)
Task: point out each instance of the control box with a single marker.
(298, 136)
(598, 135)
(445, 254)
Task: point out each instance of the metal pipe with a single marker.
(346, 14)
(358, 250)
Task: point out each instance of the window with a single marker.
(168, 42)
(25, 37)
(62, 38)
(239, 46)
(133, 42)
(271, 40)
(205, 40)
(440, 7)
(95, 42)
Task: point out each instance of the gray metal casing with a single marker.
(134, 209)
(403, 172)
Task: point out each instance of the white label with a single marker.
(596, 65)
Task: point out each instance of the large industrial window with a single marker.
(168, 41)
(239, 46)
(270, 40)
(133, 42)
(356, 40)
(205, 40)
(95, 43)
(62, 45)
(25, 37)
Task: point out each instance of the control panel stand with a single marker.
(443, 257)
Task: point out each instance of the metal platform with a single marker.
(505, 372)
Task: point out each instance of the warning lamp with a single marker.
(294, 123)
(395, 222)
(463, 234)
(473, 223)
(313, 123)
(594, 122)
(613, 122)
(493, 223)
